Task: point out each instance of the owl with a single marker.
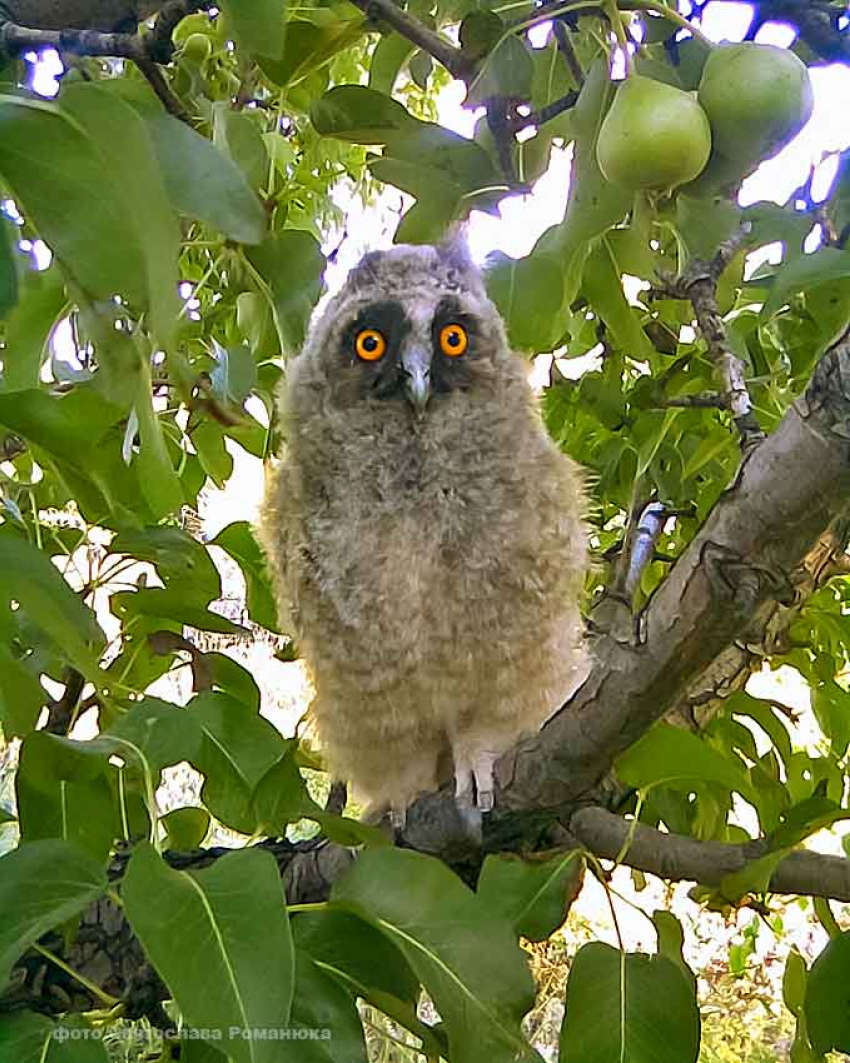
(426, 539)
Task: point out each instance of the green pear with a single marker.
(654, 137)
(756, 96)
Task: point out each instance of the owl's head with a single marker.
(410, 326)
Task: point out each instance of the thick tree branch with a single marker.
(111, 31)
(451, 57)
(675, 857)
(747, 556)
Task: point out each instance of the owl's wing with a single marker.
(275, 533)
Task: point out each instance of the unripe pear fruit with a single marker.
(756, 96)
(197, 48)
(654, 137)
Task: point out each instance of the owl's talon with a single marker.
(482, 771)
(398, 819)
(485, 801)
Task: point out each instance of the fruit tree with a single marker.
(168, 215)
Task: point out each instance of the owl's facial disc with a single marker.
(416, 366)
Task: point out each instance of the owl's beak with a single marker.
(416, 365)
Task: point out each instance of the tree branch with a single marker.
(699, 285)
(451, 57)
(747, 556)
(675, 857)
(145, 50)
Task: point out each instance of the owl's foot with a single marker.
(474, 786)
(398, 818)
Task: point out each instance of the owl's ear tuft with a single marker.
(366, 271)
(454, 251)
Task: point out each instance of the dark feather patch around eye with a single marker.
(450, 372)
(388, 318)
(379, 378)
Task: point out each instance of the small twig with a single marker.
(61, 713)
(159, 44)
(706, 401)
(499, 122)
(154, 77)
(565, 47)
(11, 447)
(545, 114)
(698, 284)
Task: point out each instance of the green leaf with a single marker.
(28, 577)
(169, 606)
(628, 1007)
(221, 919)
(506, 73)
(831, 706)
(186, 828)
(804, 273)
(671, 941)
(534, 896)
(134, 171)
(670, 754)
(157, 733)
(827, 1000)
(42, 885)
(181, 561)
(291, 265)
(8, 268)
(21, 695)
(94, 224)
(258, 26)
(794, 981)
(308, 47)
(204, 183)
(237, 135)
(239, 747)
(357, 952)
(360, 115)
(528, 293)
(391, 53)
(237, 540)
(322, 1004)
(157, 476)
(593, 205)
(228, 675)
(467, 959)
(234, 375)
(29, 1038)
(63, 792)
(28, 328)
(603, 286)
(208, 438)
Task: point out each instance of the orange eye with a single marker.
(453, 340)
(370, 345)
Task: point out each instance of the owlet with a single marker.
(426, 538)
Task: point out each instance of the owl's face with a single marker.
(411, 327)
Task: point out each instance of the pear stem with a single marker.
(670, 15)
(620, 34)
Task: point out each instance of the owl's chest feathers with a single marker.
(401, 517)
